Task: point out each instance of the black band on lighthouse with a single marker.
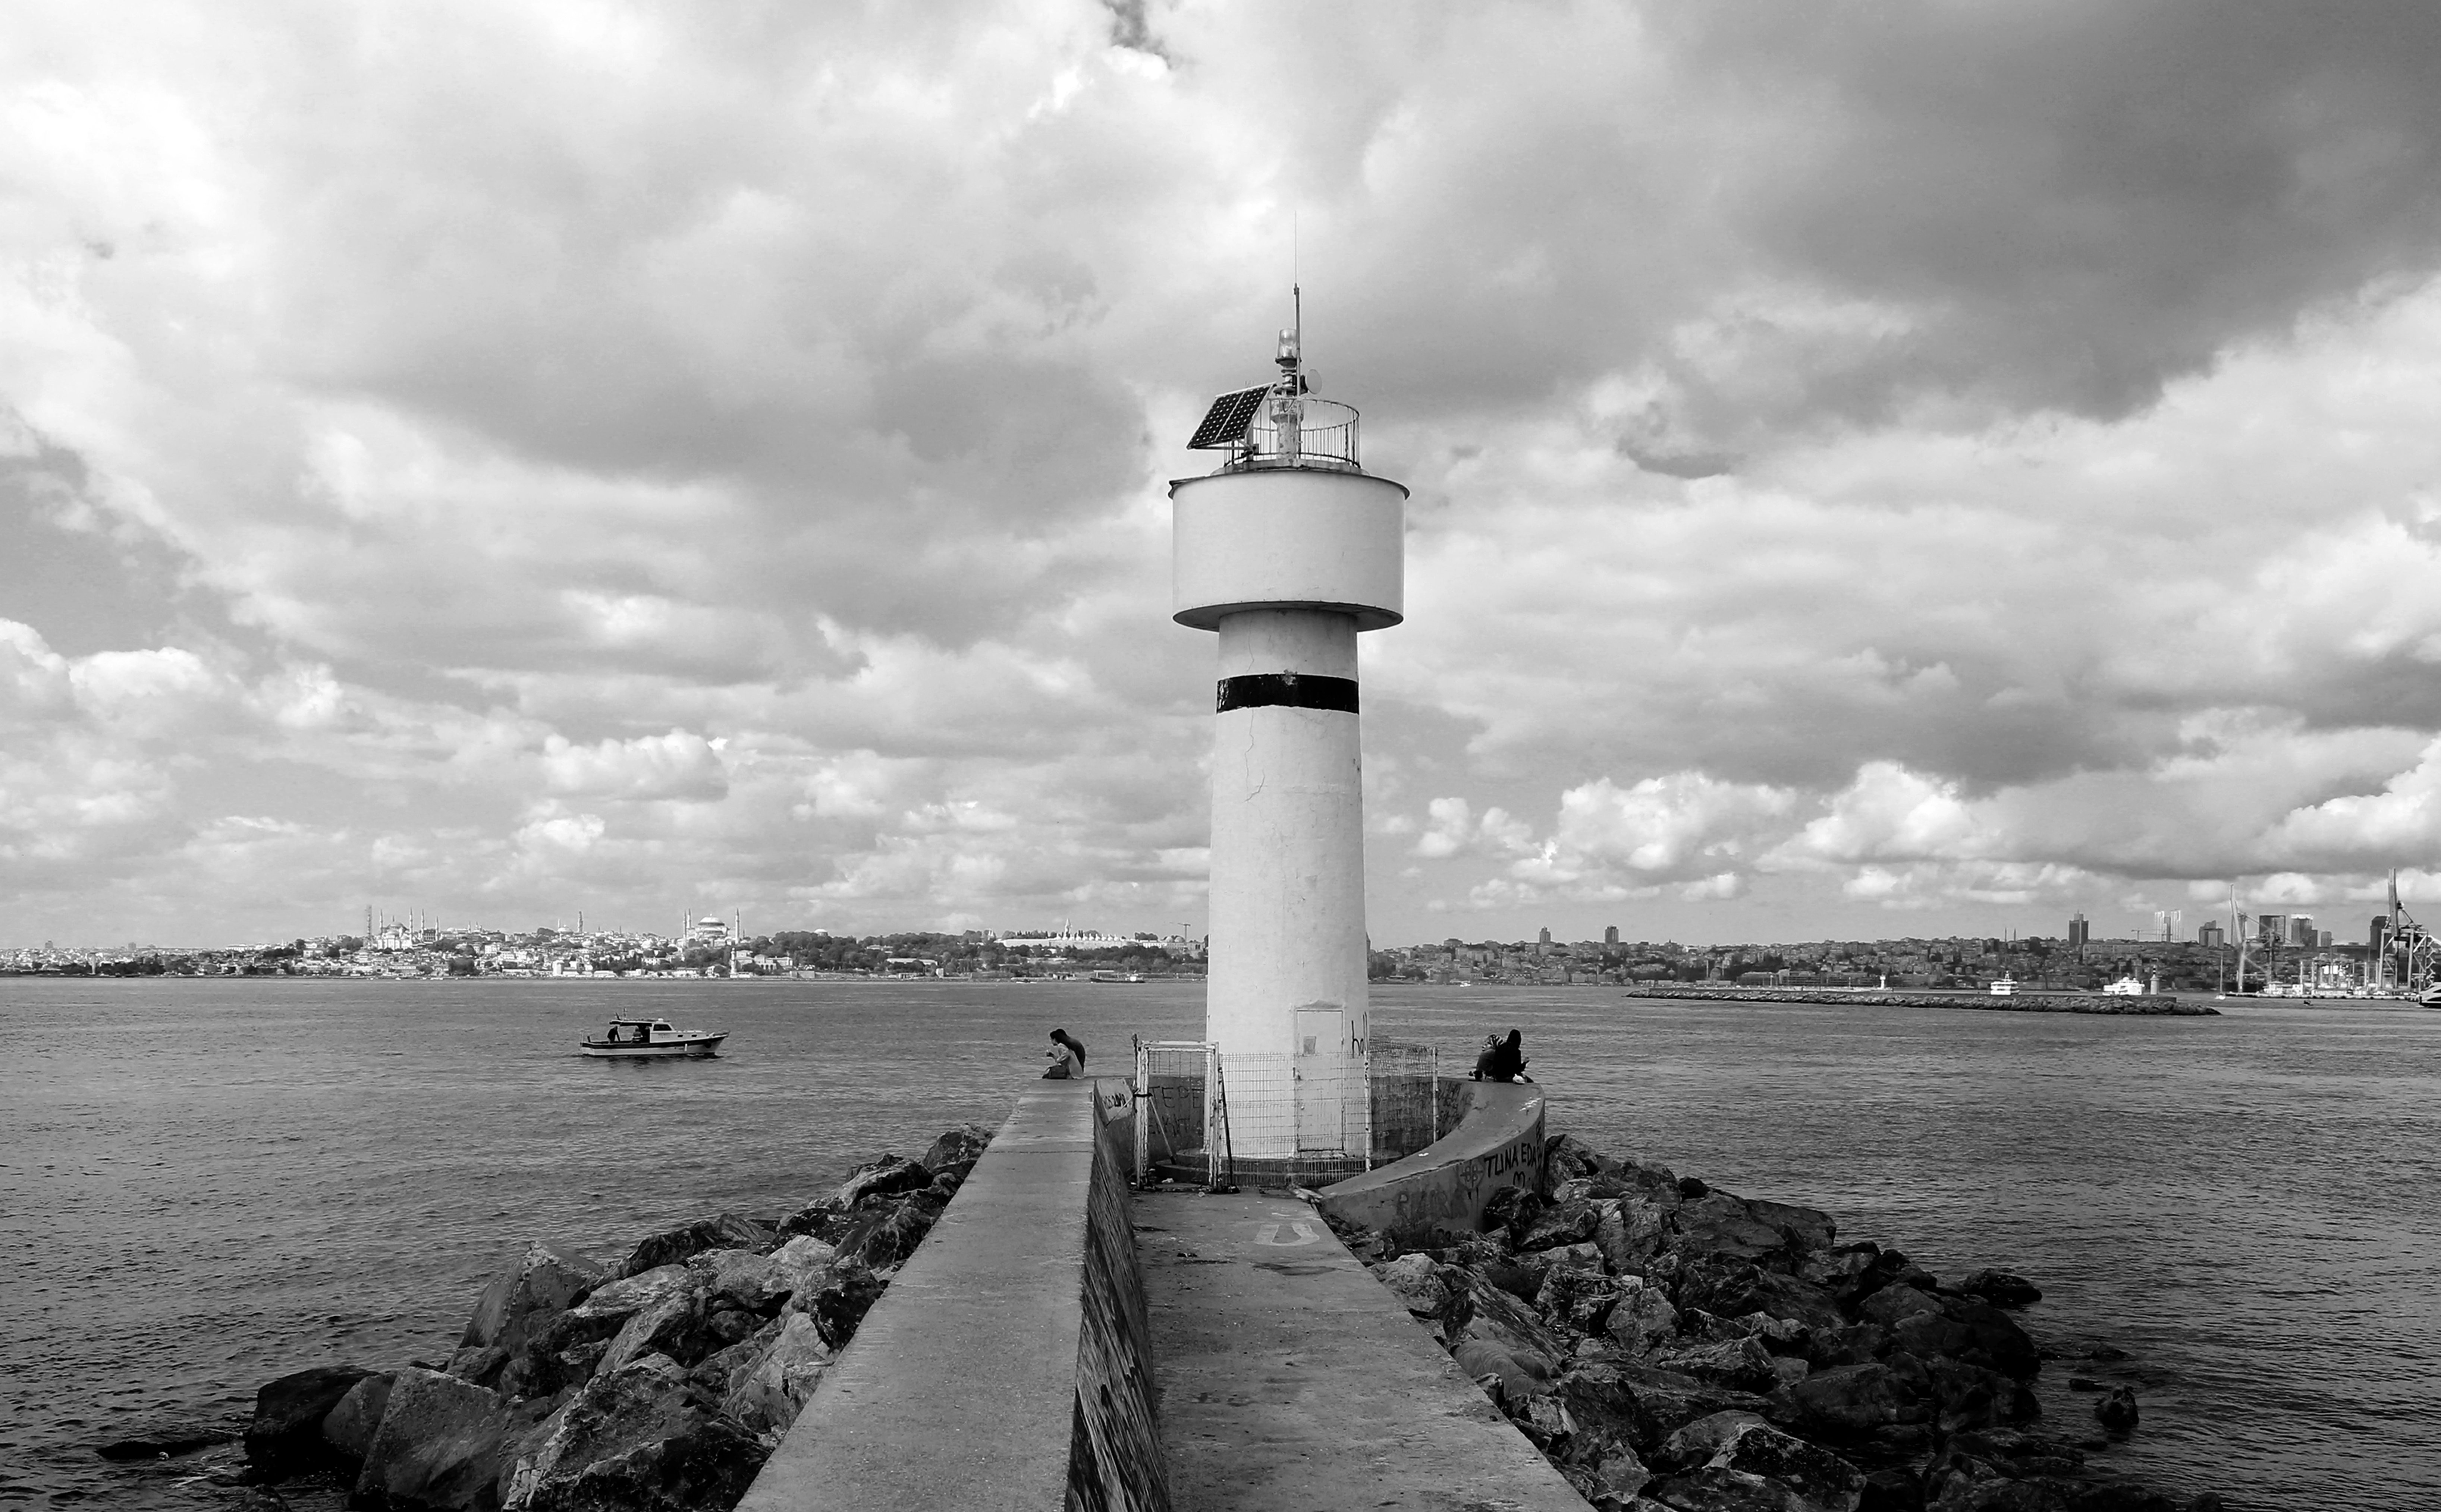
(1287, 689)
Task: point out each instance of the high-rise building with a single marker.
(2078, 931)
(2323, 939)
(1610, 936)
(2272, 929)
(2301, 929)
(2210, 937)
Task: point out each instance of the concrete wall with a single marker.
(1006, 1366)
(1442, 1189)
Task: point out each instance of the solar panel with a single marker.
(1226, 423)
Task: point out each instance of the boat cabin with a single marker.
(637, 1031)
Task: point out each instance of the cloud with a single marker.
(1942, 458)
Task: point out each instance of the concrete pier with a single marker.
(1290, 1380)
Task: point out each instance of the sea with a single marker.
(205, 1185)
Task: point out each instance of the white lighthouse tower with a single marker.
(1287, 550)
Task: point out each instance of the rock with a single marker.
(1631, 1233)
(1415, 1282)
(1507, 1212)
(1855, 1345)
(726, 1230)
(1567, 1158)
(1577, 1297)
(847, 1292)
(1802, 1229)
(162, 1442)
(886, 1177)
(1697, 1441)
(672, 1326)
(1640, 1317)
(2001, 1289)
(638, 1438)
(769, 1391)
(1545, 1422)
(1849, 1402)
(1822, 1481)
(883, 1238)
(2117, 1413)
(1613, 1473)
(1890, 1305)
(519, 1303)
(1740, 1364)
(1733, 1288)
(1968, 1396)
(801, 1261)
(1965, 1328)
(476, 1363)
(1641, 1406)
(613, 1305)
(743, 1278)
(1716, 1223)
(1691, 1187)
(350, 1427)
(963, 1146)
(1560, 1223)
(285, 1436)
(438, 1445)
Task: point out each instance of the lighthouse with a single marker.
(1287, 552)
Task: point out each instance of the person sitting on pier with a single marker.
(1503, 1060)
(1068, 1054)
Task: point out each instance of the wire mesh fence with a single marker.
(1199, 1110)
(1404, 1084)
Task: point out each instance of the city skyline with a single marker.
(475, 459)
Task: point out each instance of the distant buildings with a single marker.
(2078, 932)
(2212, 936)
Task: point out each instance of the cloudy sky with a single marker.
(1878, 469)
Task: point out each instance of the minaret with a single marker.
(1287, 550)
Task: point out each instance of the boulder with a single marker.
(1968, 1396)
(350, 1427)
(745, 1280)
(1641, 1406)
(1720, 1224)
(285, 1436)
(1804, 1230)
(520, 1302)
(1649, 1180)
(801, 1261)
(766, 1394)
(2117, 1412)
(1821, 1481)
(1640, 1317)
(960, 1146)
(1560, 1223)
(886, 1177)
(1964, 1329)
(1854, 1344)
(1507, 1211)
(1852, 1272)
(1697, 1441)
(1849, 1402)
(1630, 1232)
(725, 1231)
(1567, 1158)
(1890, 1305)
(1576, 1298)
(1415, 1282)
(1519, 1372)
(1740, 1364)
(611, 1305)
(636, 1438)
(477, 1363)
(438, 1445)
(1733, 1288)
(672, 1326)
(847, 1292)
(2002, 1288)
(1482, 1310)
(882, 1238)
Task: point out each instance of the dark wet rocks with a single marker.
(1673, 1347)
(662, 1381)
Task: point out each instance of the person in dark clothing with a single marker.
(1068, 1057)
(1503, 1060)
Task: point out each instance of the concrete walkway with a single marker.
(1291, 1381)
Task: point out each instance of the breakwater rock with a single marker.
(659, 1379)
(2163, 1006)
(1674, 1348)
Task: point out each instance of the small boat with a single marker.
(1116, 976)
(653, 1040)
(2004, 986)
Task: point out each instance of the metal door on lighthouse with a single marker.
(1319, 1063)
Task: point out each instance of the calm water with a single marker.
(205, 1185)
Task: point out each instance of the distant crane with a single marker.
(2406, 947)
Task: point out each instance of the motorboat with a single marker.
(2002, 986)
(653, 1040)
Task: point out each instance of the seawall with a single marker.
(1006, 1366)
